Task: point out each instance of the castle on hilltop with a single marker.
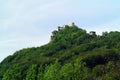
(72, 24)
(92, 33)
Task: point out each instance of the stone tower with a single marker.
(72, 24)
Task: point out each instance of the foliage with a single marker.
(72, 54)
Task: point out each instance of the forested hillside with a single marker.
(72, 54)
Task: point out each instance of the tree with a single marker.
(52, 71)
(32, 73)
(12, 74)
(40, 75)
(66, 72)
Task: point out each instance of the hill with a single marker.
(72, 54)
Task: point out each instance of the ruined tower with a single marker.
(92, 33)
(71, 24)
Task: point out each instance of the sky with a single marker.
(29, 23)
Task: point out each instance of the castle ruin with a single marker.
(92, 33)
(72, 24)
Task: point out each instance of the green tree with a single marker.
(12, 74)
(40, 75)
(66, 72)
(52, 71)
(81, 72)
(32, 73)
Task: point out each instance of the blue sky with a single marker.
(28, 23)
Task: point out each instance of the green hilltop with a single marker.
(71, 54)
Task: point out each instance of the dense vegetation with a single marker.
(72, 54)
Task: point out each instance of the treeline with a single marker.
(71, 71)
(72, 54)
